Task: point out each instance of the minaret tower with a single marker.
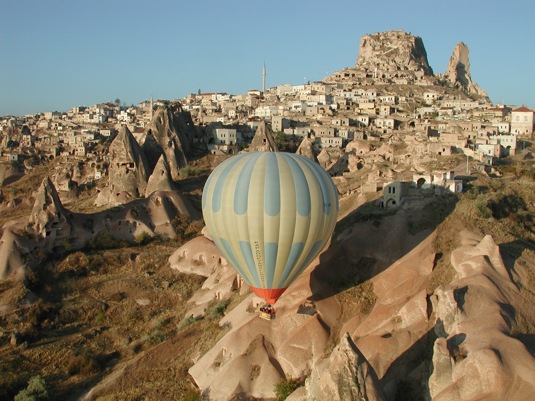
(151, 108)
(264, 78)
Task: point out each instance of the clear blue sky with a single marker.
(57, 54)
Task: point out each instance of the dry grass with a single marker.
(96, 316)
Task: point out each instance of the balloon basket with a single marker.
(267, 313)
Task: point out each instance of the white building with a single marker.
(522, 121)
(225, 136)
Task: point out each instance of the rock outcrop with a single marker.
(345, 375)
(475, 357)
(263, 140)
(160, 179)
(64, 182)
(306, 149)
(392, 51)
(128, 171)
(49, 220)
(173, 131)
(458, 71)
(14, 251)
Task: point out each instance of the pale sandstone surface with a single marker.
(306, 149)
(128, 172)
(344, 375)
(458, 71)
(160, 179)
(263, 140)
(476, 357)
(53, 228)
(172, 131)
(393, 48)
(402, 323)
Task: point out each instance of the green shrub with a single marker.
(36, 390)
(218, 309)
(186, 322)
(154, 337)
(143, 238)
(482, 207)
(285, 387)
(191, 395)
(189, 171)
(104, 241)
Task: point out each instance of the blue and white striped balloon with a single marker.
(270, 214)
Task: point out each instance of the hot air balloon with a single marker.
(269, 214)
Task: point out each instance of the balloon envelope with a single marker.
(270, 214)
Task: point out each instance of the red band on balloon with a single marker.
(269, 294)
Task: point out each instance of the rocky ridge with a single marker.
(458, 71)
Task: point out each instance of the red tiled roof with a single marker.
(522, 109)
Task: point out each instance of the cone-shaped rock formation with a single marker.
(128, 171)
(263, 140)
(160, 179)
(173, 130)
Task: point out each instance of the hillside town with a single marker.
(387, 98)
(112, 285)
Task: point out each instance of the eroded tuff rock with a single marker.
(128, 171)
(13, 252)
(64, 182)
(345, 375)
(173, 130)
(475, 356)
(160, 179)
(263, 140)
(306, 149)
(392, 50)
(458, 71)
(49, 220)
(328, 156)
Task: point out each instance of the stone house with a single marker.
(430, 96)
(266, 111)
(346, 134)
(386, 99)
(493, 150)
(341, 121)
(224, 136)
(80, 149)
(440, 149)
(279, 123)
(522, 121)
(385, 123)
(508, 143)
(323, 130)
(361, 120)
(394, 192)
(329, 142)
(385, 110)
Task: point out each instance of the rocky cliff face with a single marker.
(173, 130)
(393, 50)
(128, 171)
(49, 219)
(458, 71)
(452, 343)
